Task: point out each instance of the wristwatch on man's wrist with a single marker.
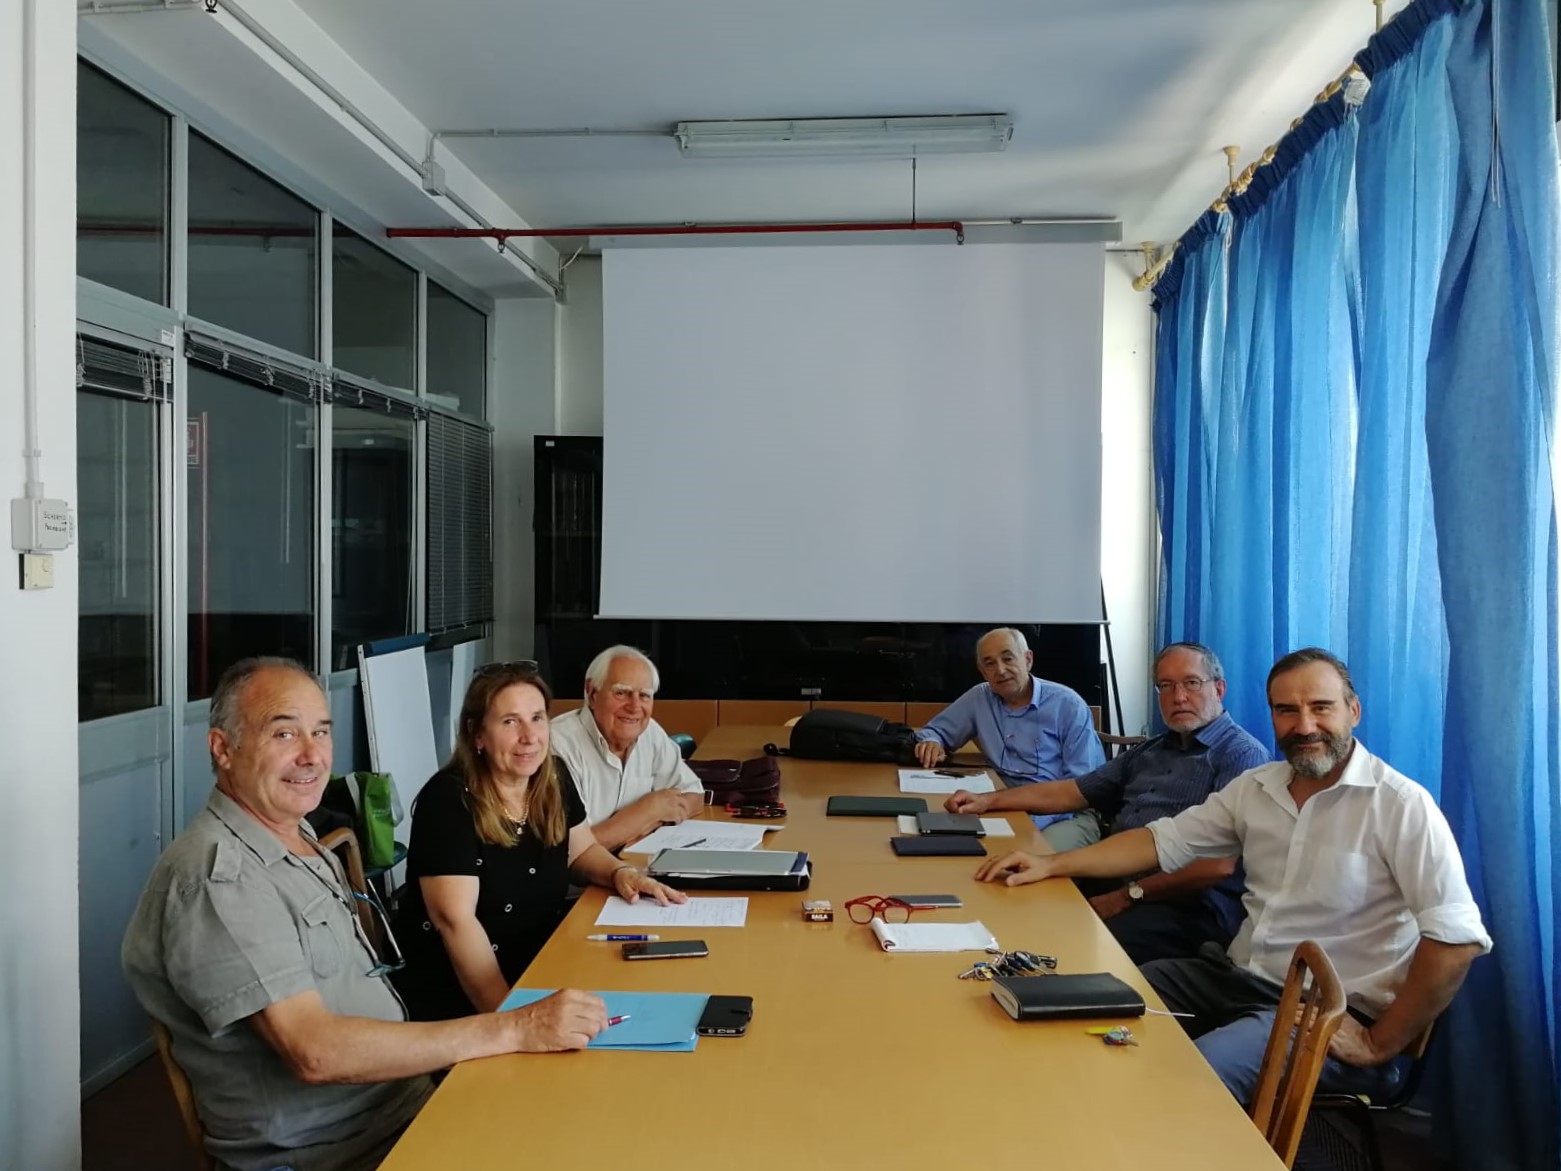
(1135, 892)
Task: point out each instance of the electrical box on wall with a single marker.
(40, 526)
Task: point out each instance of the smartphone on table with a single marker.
(928, 902)
(669, 949)
(725, 1016)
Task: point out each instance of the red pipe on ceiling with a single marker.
(502, 234)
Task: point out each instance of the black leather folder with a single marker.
(874, 806)
(939, 846)
(1091, 995)
(950, 823)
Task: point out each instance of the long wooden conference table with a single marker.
(855, 1057)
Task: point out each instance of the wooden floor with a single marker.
(133, 1125)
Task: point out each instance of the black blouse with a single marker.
(520, 896)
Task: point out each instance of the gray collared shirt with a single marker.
(230, 923)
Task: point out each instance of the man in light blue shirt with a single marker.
(1030, 729)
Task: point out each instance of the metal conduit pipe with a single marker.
(502, 234)
(414, 164)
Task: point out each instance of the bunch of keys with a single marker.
(1012, 963)
(1116, 1035)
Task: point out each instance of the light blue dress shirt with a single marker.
(1051, 738)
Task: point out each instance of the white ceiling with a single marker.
(1120, 106)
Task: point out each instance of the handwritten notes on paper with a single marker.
(722, 912)
(705, 835)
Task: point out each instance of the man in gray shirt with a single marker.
(246, 948)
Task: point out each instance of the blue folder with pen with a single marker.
(657, 1022)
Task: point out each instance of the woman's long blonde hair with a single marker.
(545, 798)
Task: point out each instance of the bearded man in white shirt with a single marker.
(1338, 848)
(629, 772)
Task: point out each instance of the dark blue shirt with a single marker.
(1161, 777)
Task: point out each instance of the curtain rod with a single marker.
(1239, 183)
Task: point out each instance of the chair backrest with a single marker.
(344, 843)
(184, 1096)
(1116, 745)
(1311, 1008)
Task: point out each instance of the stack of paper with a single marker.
(662, 1022)
(934, 936)
(707, 835)
(722, 912)
(926, 780)
(992, 827)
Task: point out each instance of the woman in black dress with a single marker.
(496, 835)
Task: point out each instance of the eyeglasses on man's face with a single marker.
(1192, 685)
(868, 907)
(622, 693)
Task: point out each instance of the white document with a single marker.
(704, 835)
(926, 780)
(934, 936)
(992, 827)
(723, 912)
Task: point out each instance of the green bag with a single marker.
(379, 811)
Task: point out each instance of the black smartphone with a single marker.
(671, 949)
(928, 902)
(725, 1016)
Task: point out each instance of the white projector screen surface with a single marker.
(899, 433)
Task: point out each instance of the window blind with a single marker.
(296, 379)
(460, 538)
(121, 370)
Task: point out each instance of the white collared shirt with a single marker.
(606, 783)
(1365, 868)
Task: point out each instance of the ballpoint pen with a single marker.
(616, 1020)
(695, 842)
(623, 938)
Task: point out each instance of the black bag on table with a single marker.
(830, 734)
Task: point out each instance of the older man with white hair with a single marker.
(630, 774)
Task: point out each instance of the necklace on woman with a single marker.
(519, 820)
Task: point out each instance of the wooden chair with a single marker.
(1116, 745)
(1363, 1109)
(344, 844)
(185, 1097)
(1311, 1008)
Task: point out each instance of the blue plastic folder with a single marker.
(659, 1022)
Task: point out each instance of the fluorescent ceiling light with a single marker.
(864, 137)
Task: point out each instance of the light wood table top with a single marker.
(855, 1057)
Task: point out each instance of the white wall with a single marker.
(1128, 529)
(39, 1009)
(580, 349)
(520, 406)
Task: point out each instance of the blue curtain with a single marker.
(1355, 446)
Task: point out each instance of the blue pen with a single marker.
(623, 938)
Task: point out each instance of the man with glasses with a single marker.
(1031, 729)
(629, 772)
(245, 946)
(1155, 915)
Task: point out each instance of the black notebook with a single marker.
(938, 845)
(874, 806)
(1052, 998)
(950, 823)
